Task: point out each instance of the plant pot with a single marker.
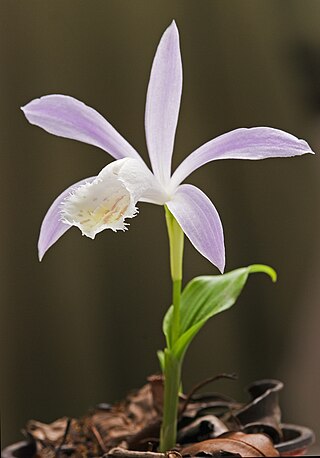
(296, 441)
(21, 449)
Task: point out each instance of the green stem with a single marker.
(176, 295)
(172, 376)
(172, 366)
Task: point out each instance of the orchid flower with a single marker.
(108, 199)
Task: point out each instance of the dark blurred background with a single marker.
(83, 326)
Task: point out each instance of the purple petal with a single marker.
(68, 117)
(254, 143)
(163, 103)
(52, 228)
(200, 221)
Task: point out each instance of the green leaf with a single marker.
(182, 344)
(206, 296)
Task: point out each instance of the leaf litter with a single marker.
(210, 424)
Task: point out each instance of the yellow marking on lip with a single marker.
(104, 215)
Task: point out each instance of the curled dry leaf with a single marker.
(201, 428)
(134, 421)
(64, 437)
(262, 414)
(51, 434)
(239, 444)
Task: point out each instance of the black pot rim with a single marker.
(296, 438)
(18, 450)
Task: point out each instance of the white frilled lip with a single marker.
(101, 202)
(110, 198)
(67, 117)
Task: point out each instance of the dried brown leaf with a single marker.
(49, 433)
(246, 445)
